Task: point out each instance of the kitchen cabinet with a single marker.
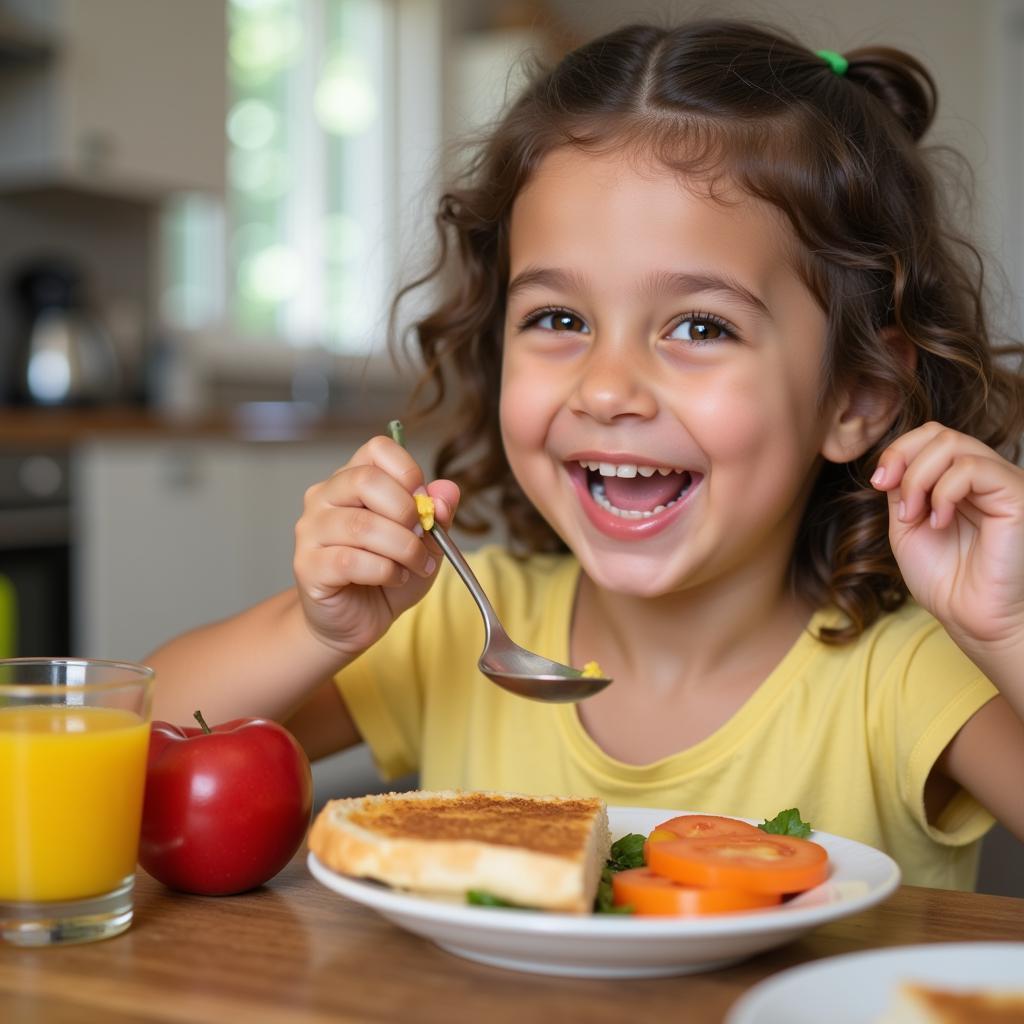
(129, 98)
(170, 533)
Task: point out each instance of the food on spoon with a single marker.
(922, 1004)
(591, 670)
(543, 852)
(425, 510)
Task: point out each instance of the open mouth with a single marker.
(632, 491)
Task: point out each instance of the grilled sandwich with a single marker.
(542, 852)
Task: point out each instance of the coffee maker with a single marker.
(63, 353)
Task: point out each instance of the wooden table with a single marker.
(295, 952)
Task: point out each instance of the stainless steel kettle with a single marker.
(68, 357)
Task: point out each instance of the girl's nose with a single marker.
(613, 382)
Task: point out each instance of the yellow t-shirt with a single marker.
(846, 734)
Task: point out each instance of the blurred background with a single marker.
(205, 209)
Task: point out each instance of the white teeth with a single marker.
(628, 469)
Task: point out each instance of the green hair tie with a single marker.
(836, 61)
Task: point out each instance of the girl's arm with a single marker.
(986, 757)
(263, 662)
(956, 525)
(360, 560)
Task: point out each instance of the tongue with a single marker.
(642, 493)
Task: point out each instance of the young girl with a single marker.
(728, 373)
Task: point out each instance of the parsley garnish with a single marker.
(625, 853)
(786, 823)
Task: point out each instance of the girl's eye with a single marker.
(556, 320)
(701, 329)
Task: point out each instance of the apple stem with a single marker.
(198, 716)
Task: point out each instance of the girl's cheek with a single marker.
(527, 404)
(742, 428)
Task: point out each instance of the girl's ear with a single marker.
(866, 410)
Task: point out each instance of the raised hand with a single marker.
(360, 556)
(956, 525)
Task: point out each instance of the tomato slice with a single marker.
(694, 826)
(652, 895)
(761, 863)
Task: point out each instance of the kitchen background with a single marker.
(204, 209)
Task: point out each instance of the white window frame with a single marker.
(412, 172)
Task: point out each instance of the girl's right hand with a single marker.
(360, 555)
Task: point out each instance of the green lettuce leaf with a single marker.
(787, 823)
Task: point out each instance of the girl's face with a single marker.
(661, 374)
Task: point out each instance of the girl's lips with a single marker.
(618, 527)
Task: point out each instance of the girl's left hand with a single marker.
(956, 525)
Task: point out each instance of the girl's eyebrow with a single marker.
(662, 282)
(546, 277)
(666, 282)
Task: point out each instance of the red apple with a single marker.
(225, 808)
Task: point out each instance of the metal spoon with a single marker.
(504, 662)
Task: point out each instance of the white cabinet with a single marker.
(131, 100)
(170, 534)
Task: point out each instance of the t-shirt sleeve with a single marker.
(936, 689)
(383, 692)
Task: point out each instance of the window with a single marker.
(332, 138)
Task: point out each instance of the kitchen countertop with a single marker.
(27, 427)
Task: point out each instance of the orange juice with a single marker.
(72, 780)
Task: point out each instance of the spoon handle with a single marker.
(492, 624)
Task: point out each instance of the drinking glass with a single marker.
(74, 734)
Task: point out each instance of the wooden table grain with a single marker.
(293, 952)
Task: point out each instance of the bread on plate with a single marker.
(535, 851)
(923, 1004)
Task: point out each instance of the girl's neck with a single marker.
(688, 639)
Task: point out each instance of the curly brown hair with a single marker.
(726, 101)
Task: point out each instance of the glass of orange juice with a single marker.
(74, 734)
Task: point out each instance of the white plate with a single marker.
(857, 987)
(612, 946)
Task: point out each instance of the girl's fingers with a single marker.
(328, 570)
(363, 528)
(974, 486)
(894, 460)
(915, 464)
(446, 500)
(365, 486)
(392, 458)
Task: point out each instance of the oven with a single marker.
(35, 551)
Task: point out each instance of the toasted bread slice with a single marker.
(924, 1004)
(544, 852)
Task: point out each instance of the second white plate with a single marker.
(857, 987)
(610, 946)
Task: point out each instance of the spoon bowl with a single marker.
(506, 663)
